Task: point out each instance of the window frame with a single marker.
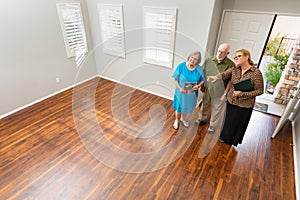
(71, 44)
(159, 35)
(112, 29)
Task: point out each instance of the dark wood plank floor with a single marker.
(61, 148)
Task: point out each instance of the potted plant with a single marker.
(281, 60)
(274, 71)
(274, 44)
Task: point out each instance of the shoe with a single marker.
(221, 140)
(175, 125)
(211, 129)
(201, 122)
(185, 123)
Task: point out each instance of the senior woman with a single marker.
(188, 77)
(240, 103)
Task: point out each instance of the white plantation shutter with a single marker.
(112, 28)
(71, 21)
(159, 35)
(79, 56)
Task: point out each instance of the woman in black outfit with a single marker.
(239, 103)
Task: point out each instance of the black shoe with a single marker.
(201, 122)
(221, 140)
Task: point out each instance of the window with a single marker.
(73, 30)
(159, 35)
(112, 28)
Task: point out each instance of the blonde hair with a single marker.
(195, 53)
(245, 52)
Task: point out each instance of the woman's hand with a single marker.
(179, 88)
(236, 93)
(200, 85)
(182, 90)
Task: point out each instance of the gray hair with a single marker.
(195, 53)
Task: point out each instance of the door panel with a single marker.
(245, 30)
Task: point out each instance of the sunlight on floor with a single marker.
(273, 108)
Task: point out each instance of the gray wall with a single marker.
(214, 27)
(193, 25)
(33, 53)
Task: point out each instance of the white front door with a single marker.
(243, 30)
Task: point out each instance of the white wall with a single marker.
(193, 25)
(285, 25)
(33, 53)
(214, 28)
(272, 6)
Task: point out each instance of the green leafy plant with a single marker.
(274, 44)
(274, 69)
(281, 60)
(273, 73)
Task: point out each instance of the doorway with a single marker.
(272, 26)
(279, 45)
(248, 30)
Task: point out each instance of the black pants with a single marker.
(235, 124)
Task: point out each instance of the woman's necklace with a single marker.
(191, 67)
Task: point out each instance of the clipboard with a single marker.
(243, 85)
(188, 86)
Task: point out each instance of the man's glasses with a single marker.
(236, 57)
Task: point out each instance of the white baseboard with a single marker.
(71, 86)
(147, 91)
(296, 162)
(46, 97)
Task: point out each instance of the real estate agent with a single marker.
(239, 103)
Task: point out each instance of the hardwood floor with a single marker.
(95, 142)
